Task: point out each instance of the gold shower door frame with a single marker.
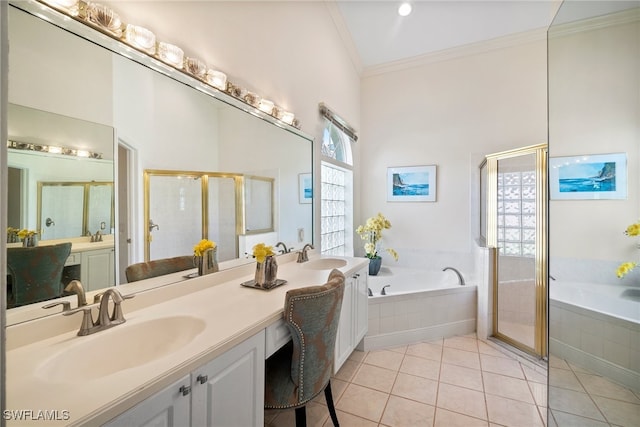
(539, 348)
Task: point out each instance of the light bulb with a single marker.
(141, 38)
(217, 79)
(171, 54)
(404, 9)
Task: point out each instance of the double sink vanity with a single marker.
(189, 353)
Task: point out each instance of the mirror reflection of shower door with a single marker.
(223, 216)
(176, 207)
(63, 205)
(519, 204)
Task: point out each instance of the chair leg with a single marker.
(301, 416)
(332, 410)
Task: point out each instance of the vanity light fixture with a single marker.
(171, 54)
(404, 9)
(104, 17)
(266, 106)
(141, 38)
(108, 21)
(52, 149)
(217, 79)
(195, 67)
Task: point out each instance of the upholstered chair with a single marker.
(299, 371)
(158, 267)
(36, 273)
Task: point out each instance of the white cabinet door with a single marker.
(344, 338)
(97, 269)
(229, 390)
(361, 306)
(167, 408)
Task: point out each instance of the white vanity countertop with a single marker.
(78, 244)
(231, 313)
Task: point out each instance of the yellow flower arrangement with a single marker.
(24, 233)
(625, 268)
(371, 232)
(262, 251)
(202, 246)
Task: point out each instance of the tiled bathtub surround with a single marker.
(419, 316)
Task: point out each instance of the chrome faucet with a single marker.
(76, 287)
(284, 247)
(460, 278)
(96, 237)
(302, 255)
(105, 320)
(383, 291)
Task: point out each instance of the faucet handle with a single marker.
(66, 305)
(87, 319)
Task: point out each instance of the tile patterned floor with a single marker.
(464, 382)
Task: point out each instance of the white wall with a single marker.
(447, 113)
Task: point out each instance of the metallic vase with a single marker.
(207, 262)
(266, 272)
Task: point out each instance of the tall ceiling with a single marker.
(380, 35)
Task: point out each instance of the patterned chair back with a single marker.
(158, 267)
(312, 315)
(36, 273)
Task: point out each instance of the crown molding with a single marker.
(618, 18)
(458, 52)
(345, 35)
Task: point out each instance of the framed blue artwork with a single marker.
(590, 177)
(411, 184)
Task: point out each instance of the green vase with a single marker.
(374, 265)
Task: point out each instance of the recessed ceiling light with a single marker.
(404, 9)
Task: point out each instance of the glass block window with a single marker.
(517, 213)
(335, 228)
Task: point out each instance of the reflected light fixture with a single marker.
(217, 79)
(171, 54)
(141, 38)
(52, 149)
(266, 106)
(105, 18)
(404, 9)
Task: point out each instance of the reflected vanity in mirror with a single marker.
(163, 120)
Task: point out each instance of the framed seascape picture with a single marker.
(305, 187)
(411, 184)
(594, 177)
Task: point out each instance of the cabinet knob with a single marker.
(202, 378)
(185, 390)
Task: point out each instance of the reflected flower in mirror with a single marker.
(12, 235)
(626, 267)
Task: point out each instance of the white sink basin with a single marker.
(325, 263)
(121, 347)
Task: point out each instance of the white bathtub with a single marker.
(419, 305)
(597, 326)
(405, 280)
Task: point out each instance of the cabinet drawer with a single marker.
(74, 259)
(276, 335)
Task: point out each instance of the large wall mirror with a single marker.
(157, 119)
(594, 316)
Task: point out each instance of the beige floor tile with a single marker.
(573, 402)
(563, 419)
(502, 366)
(374, 377)
(416, 388)
(348, 420)
(421, 367)
(556, 362)
(600, 386)
(461, 376)
(509, 387)
(358, 356)
(534, 375)
(316, 416)
(402, 412)
(384, 359)
(512, 413)
(464, 358)
(462, 400)
(575, 368)
(539, 392)
(347, 371)
(399, 349)
(431, 351)
(446, 418)
(363, 402)
(337, 388)
(462, 343)
(489, 349)
(618, 412)
(565, 379)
